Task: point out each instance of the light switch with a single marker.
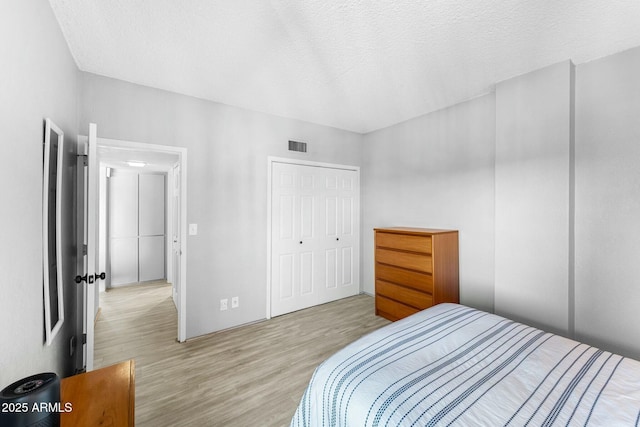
(193, 229)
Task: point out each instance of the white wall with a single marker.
(533, 197)
(607, 224)
(565, 150)
(436, 171)
(37, 80)
(227, 183)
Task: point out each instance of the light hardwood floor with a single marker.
(249, 376)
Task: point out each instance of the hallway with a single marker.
(132, 322)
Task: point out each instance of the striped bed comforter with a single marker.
(453, 365)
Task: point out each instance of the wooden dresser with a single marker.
(104, 397)
(415, 268)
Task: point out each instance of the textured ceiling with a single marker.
(354, 64)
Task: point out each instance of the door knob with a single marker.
(89, 278)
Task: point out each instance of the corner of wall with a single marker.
(534, 217)
(572, 201)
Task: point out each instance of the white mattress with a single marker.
(453, 365)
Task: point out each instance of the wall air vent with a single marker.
(298, 146)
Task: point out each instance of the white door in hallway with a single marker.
(314, 235)
(176, 250)
(90, 276)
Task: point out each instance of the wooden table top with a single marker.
(104, 397)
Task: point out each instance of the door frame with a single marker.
(310, 163)
(170, 194)
(182, 161)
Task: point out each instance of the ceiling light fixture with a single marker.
(136, 164)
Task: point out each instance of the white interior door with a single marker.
(92, 253)
(314, 235)
(340, 234)
(175, 237)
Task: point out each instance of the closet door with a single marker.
(123, 228)
(136, 227)
(151, 225)
(151, 258)
(314, 236)
(294, 284)
(341, 242)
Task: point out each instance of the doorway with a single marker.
(170, 162)
(314, 234)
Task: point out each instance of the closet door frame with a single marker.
(270, 162)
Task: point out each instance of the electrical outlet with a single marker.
(224, 304)
(235, 302)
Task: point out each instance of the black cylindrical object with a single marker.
(31, 401)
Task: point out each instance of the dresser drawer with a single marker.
(393, 310)
(418, 262)
(408, 296)
(405, 242)
(420, 281)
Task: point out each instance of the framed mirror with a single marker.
(51, 230)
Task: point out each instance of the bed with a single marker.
(454, 365)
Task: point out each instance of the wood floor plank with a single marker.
(248, 376)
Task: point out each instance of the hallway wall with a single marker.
(38, 79)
